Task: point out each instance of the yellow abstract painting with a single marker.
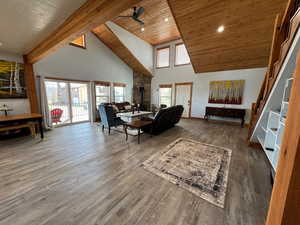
(12, 80)
(226, 92)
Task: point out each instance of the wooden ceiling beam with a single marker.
(88, 16)
(107, 36)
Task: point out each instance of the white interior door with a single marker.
(183, 97)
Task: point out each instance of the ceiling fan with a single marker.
(137, 12)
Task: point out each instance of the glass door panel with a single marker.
(79, 102)
(58, 102)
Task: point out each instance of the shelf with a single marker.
(274, 132)
(277, 113)
(264, 129)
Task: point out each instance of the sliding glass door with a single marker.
(79, 102)
(58, 101)
(68, 101)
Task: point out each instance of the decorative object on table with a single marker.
(138, 108)
(197, 167)
(226, 92)
(4, 108)
(12, 80)
(108, 117)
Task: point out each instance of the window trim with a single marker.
(79, 46)
(180, 43)
(166, 86)
(156, 56)
(102, 83)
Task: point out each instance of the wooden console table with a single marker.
(226, 112)
(30, 117)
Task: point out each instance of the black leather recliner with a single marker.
(165, 119)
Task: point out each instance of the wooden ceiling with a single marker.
(246, 41)
(105, 35)
(157, 31)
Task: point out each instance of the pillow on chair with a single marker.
(127, 107)
(115, 108)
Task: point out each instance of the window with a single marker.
(165, 94)
(102, 90)
(181, 55)
(119, 92)
(79, 42)
(163, 57)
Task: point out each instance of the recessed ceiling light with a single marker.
(221, 29)
(142, 29)
(166, 19)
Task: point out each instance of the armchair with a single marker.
(108, 117)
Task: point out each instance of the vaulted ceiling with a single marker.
(246, 40)
(23, 24)
(111, 40)
(157, 30)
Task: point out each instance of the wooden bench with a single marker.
(29, 125)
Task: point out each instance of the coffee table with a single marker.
(138, 124)
(130, 117)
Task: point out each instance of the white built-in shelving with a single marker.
(272, 135)
(269, 129)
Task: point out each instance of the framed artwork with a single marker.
(226, 92)
(12, 80)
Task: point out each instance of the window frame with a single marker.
(79, 46)
(166, 86)
(184, 64)
(105, 84)
(156, 57)
(119, 85)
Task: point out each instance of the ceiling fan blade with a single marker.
(139, 12)
(125, 16)
(139, 21)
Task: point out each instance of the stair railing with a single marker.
(281, 34)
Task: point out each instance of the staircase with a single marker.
(268, 113)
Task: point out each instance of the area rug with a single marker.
(197, 167)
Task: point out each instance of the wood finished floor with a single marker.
(80, 176)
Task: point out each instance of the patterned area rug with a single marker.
(197, 167)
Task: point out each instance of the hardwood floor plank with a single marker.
(81, 176)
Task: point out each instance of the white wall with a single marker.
(21, 105)
(253, 80)
(141, 49)
(97, 62)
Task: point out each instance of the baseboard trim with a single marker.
(221, 121)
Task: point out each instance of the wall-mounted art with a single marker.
(226, 92)
(12, 80)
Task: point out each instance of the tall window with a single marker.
(163, 57)
(102, 90)
(79, 42)
(165, 94)
(119, 92)
(181, 55)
